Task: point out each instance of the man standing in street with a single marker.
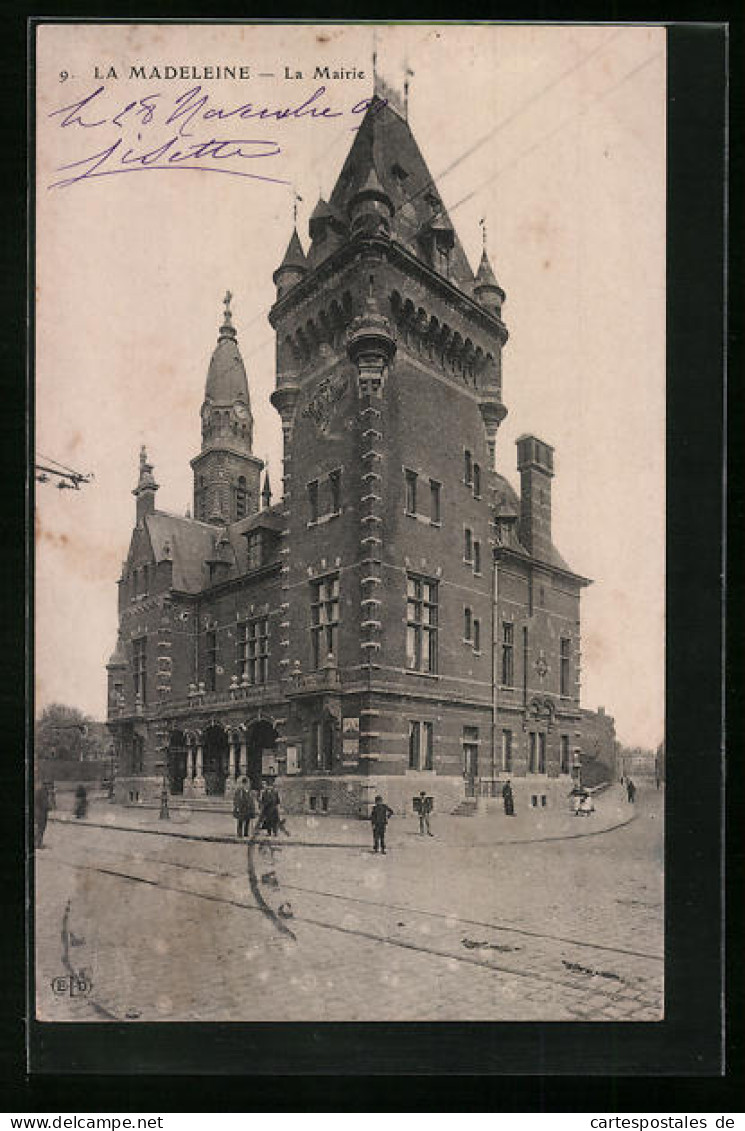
(630, 791)
(424, 808)
(243, 808)
(508, 799)
(379, 819)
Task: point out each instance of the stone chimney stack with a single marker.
(535, 462)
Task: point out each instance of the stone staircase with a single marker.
(465, 808)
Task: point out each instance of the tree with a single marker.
(64, 732)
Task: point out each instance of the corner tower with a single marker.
(226, 472)
(384, 335)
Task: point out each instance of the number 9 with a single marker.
(63, 76)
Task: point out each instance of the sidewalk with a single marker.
(482, 830)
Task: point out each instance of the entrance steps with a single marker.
(465, 808)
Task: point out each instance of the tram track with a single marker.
(121, 869)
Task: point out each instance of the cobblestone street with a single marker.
(467, 925)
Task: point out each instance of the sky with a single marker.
(554, 136)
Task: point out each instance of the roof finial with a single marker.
(227, 330)
(296, 199)
(408, 73)
(375, 60)
(482, 225)
(143, 458)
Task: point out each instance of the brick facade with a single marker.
(400, 619)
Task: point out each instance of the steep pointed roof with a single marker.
(485, 275)
(384, 147)
(294, 257)
(226, 377)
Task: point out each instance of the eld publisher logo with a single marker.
(71, 985)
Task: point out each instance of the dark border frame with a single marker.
(690, 1042)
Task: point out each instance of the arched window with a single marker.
(241, 496)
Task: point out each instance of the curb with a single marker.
(290, 842)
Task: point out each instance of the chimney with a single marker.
(535, 462)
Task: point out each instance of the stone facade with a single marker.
(400, 620)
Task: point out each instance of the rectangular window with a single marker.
(316, 746)
(434, 501)
(476, 557)
(532, 752)
(564, 754)
(139, 667)
(467, 545)
(257, 650)
(476, 481)
(507, 751)
(508, 653)
(421, 624)
(477, 636)
(324, 620)
(467, 625)
(241, 650)
(313, 500)
(411, 478)
(210, 660)
(564, 665)
(541, 753)
(254, 549)
(414, 740)
(467, 468)
(335, 490)
(421, 745)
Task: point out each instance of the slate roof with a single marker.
(226, 377)
(384, 151)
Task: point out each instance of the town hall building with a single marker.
(399, 618)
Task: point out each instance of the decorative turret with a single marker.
(487, 290)
(266, 491)
(226, 473)
(293, 268)
(371, 208)
(371, 345)
(146, 487)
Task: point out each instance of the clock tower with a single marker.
(226, 472)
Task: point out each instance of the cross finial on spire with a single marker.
(482, 225)
(143, 458)
(226, 301)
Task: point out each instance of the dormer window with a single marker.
(399, 173)
(255, 549)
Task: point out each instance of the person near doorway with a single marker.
(379, 819)
(81, 801)
(41, 812)
(243, 808)
(508, 799)
(630, 791)
(270, 810)
(423, 806)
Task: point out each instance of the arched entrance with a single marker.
(176, 762)
(215, 761)
(261, 740)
